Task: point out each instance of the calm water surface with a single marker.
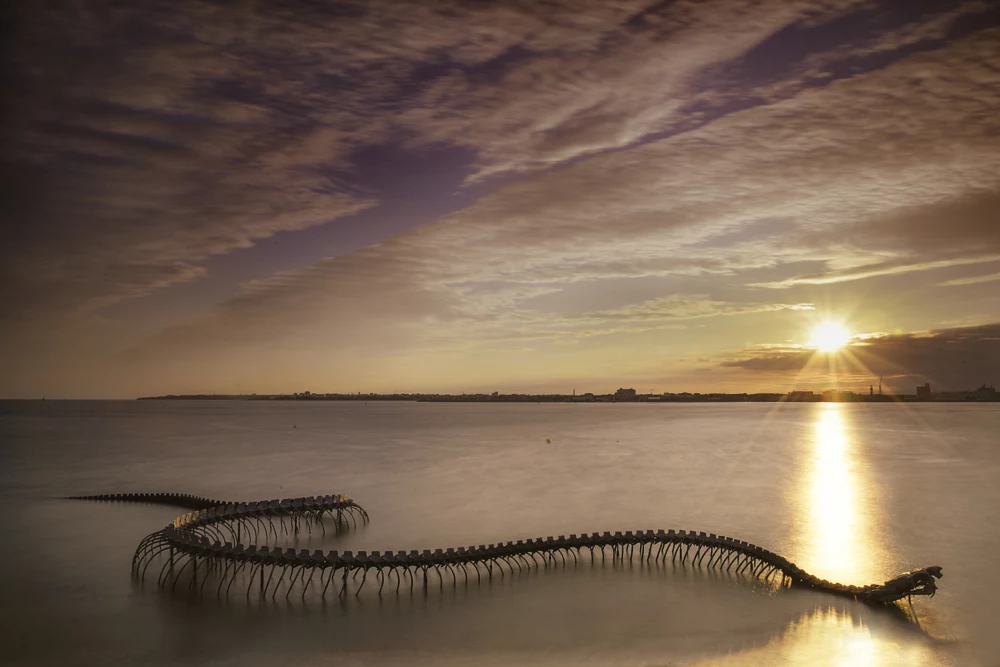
(853, 493)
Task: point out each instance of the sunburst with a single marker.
(830, 336)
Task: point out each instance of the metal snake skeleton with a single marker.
(212, 536)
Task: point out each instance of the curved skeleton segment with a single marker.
(207, 544)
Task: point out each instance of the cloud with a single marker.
(663, 313)
(950, 359)
(687, 307)
(600, 82)
(138, 142)
(958, 231)
(883, 269)
(828, 159)
(120, 176)
(972, 280)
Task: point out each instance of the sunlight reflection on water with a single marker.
(837, 510)
(835, 504)
(836, 637)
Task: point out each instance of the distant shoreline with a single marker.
(793, 397)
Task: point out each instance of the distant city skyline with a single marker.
(627, 394)
(726, 196)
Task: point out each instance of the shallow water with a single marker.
(853, 493)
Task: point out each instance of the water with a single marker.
(854, 493)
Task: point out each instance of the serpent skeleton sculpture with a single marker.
(207, 545)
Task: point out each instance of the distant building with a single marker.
(924, 392)
(625, 394)
(767, 397)
(985, 393)
(837, 396)
(495, 394)
(802, 396)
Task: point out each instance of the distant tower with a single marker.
(871, 390)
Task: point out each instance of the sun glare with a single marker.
(829, 337)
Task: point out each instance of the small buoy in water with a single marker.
(548, 441)
(294, 426)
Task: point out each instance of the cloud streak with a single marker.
(885, 269)
(973, 280)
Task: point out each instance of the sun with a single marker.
(829, 337)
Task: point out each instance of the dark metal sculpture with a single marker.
(915, 582)
(206, 546)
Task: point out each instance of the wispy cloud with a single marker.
(972, 280)
(887, 269)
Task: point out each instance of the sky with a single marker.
(513, 196)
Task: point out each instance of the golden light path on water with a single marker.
(837, 519)
(835, 503)
(834, 638)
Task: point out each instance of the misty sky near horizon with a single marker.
(515, 196)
